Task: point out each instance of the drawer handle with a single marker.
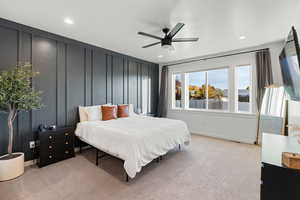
(50, 147)
(66, 152)
(67, 142)
(50, 156)
(66, 134)
(50, 137)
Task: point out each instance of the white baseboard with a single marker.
(29, 163)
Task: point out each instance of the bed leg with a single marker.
(80, 146)
(127, 177)
(97, 157)
(160, 157)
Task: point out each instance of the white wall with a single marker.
(231, 126)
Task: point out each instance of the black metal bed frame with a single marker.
(104, 154)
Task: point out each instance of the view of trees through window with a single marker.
(210, 89)
(197, 90)
(218, 89)
(178, 90)
(207, 89)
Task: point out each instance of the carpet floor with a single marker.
(208, 169)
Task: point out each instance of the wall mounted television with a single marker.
(290, 68)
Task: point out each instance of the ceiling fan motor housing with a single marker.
(166, 41)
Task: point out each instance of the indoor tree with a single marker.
(17, 94)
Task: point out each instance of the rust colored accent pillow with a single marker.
(109, 112)
(123, 111)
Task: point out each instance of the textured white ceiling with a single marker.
(114, 24)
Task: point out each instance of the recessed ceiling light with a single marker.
(68, 21)
(160, 56)
(242, 37)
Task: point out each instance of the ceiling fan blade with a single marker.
(175, 30)
(149, 35)
(150, 45)
(185, 40)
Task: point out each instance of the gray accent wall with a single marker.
(72, 73)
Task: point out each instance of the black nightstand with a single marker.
(55, 145)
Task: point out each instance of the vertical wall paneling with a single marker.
(118, 80)
(88, 77)
(75, 82)
(144, 88)
(71, 74)
(133, 83)
(154, 88)
(139, 76)
(109, 79)
(125, 81)
(44, 62)
(99, 77)
(61, 84)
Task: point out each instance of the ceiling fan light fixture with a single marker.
(166, 41)
(168, 47)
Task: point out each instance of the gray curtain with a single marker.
(163, 94)
(264, 74)
(264, 79)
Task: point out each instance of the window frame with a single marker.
(236, 98)
(206, 92)
(174, 92)
(231, 66)
(185, 93)
(228, 78)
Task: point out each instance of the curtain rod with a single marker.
(214, 57)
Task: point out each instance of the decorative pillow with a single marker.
(109, 112)
(93, 113)
(90, 113)
(82, 114)
(123, 111)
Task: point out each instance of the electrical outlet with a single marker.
(31, 144)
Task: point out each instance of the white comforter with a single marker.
(137, 140)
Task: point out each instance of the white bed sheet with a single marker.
(137, 140)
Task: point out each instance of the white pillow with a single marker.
(93, 113)
(90, 113)
(131, 110)
(82, 114)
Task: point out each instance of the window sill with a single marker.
(213, 112)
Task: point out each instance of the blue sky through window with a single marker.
(243, 73)
(219, 78)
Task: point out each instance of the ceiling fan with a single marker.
(166, 41)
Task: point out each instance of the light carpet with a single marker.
(208, 169)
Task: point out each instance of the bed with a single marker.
(137, 140)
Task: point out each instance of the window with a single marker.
(243, 88)
(178, 83)
(197, 89)
(217, 89)
(208, 89)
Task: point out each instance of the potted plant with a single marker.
(16, 95)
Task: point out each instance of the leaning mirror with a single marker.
(273, 114)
